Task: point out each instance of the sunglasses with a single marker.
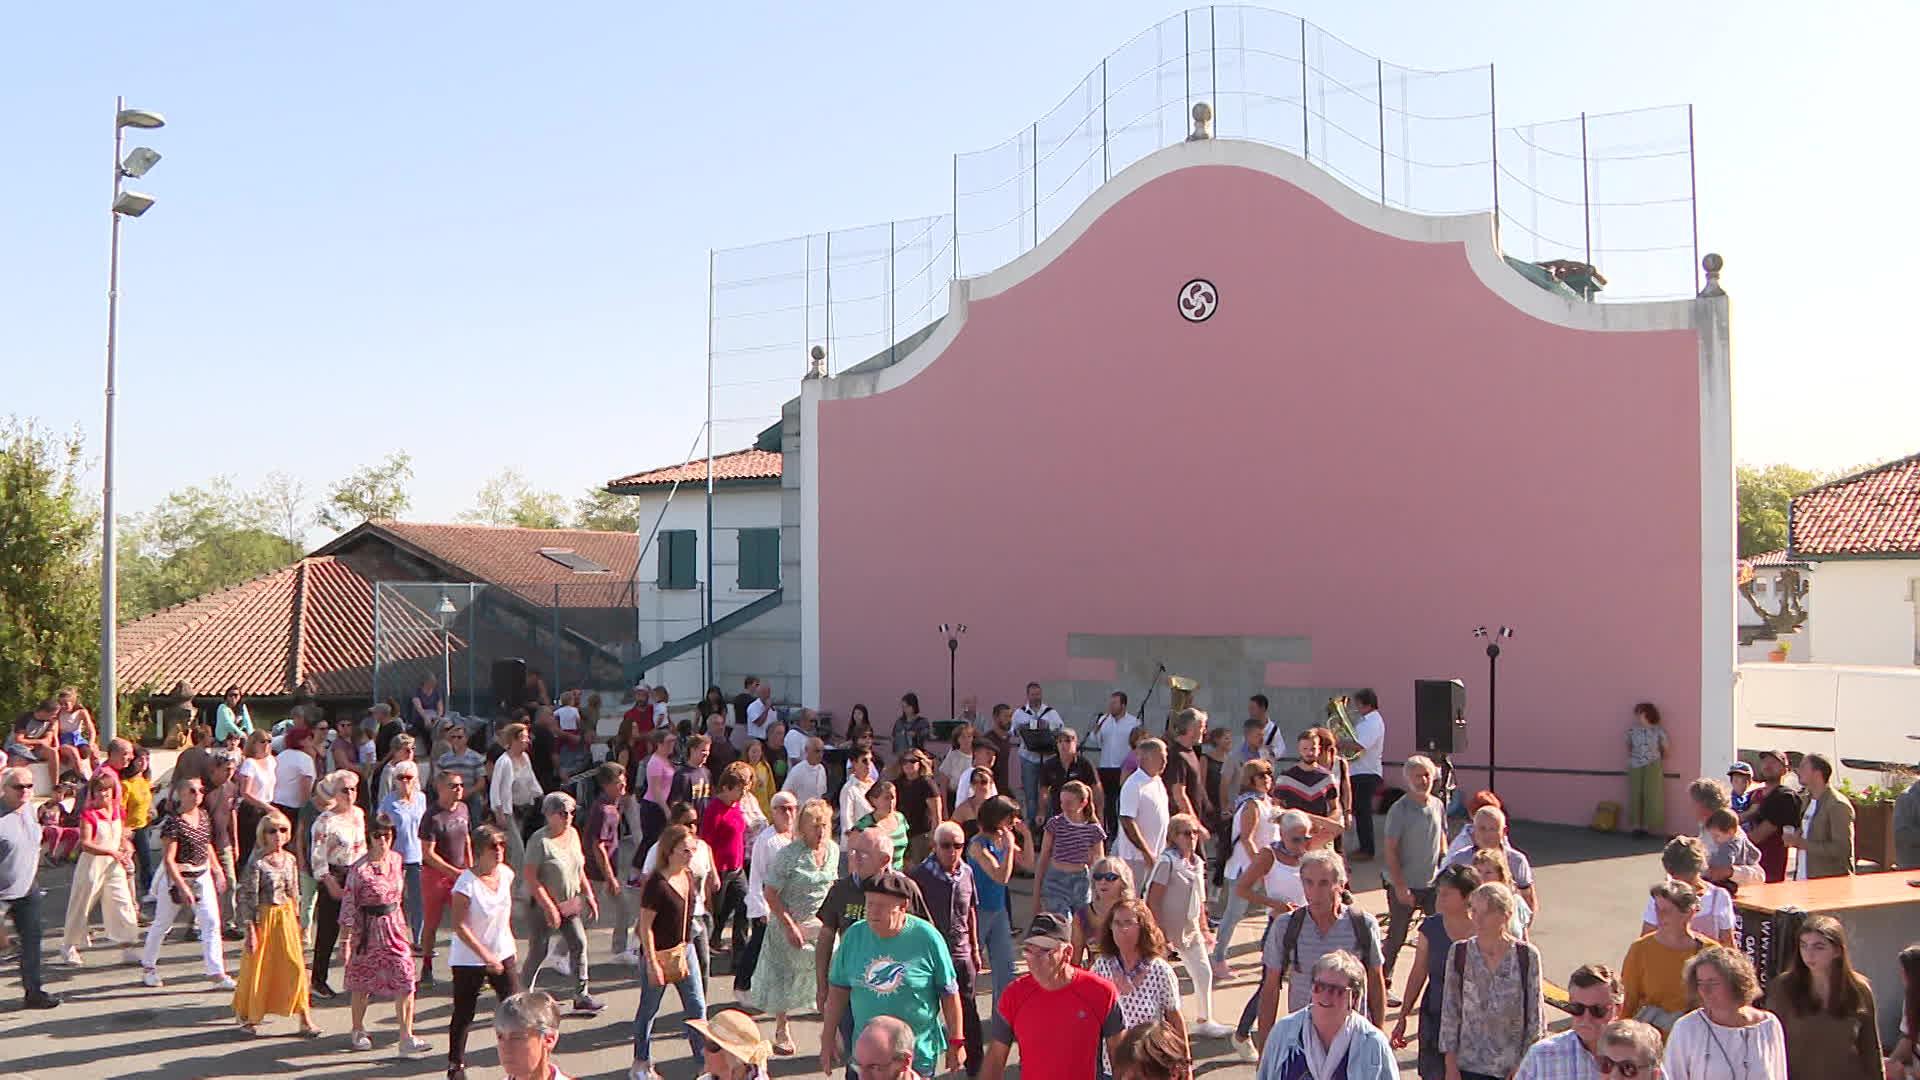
(948, 845)
(282, 832)
(19, 787)
(1106, 875)
(1598, 1012)
(1332, 990)
(1628, 1069)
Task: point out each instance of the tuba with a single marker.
(1340, 722)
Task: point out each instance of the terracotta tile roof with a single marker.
(512, 558)
(1773, 558)
(311, 621)
(738, 465)
(1875, 512)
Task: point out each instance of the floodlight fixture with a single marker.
(132, 203)
(138, 162)
(141, 118)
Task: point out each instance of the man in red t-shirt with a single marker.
(724, 828)
(1059, 1014)
(640, 717)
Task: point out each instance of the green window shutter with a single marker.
(677, 551)
(759, 558)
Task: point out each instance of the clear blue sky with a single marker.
(479, 232)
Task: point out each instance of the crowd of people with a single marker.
(869, 882)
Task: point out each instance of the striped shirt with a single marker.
(1073, 840)
(1310, 790)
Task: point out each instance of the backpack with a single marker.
(1290, 938)
(1529, 1003)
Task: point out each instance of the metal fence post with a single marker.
(1106, 163)
(1036, 184)
(1493, 137)
(1380, 101)
(377, 643)
(893, 337)
(826, 264)
(1586, 201)
(1213, 69)
(1693, 200)
(956, 217)
(1306, 148)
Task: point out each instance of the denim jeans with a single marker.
(146, 856)
(1065, 891)
(26, 926)
(410, 902)
(1365, 787)
(1030, 788)
(692, 1001)
(996, 931)
(1236, 910)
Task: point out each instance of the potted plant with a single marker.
(1873, 816)
(1779, 652)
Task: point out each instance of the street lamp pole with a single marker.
(953, 632)
(1493, 672)
(133, 204)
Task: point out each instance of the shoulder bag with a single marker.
(673, 961)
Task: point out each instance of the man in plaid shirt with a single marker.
(1594, 996)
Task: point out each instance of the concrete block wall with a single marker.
(1230, 669)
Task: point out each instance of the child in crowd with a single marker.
(1732, 859)
(1739, 780)
(60, 823)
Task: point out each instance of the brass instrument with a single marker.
(1181, 691)
(1340, 722)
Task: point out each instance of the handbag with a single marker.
(673, 961)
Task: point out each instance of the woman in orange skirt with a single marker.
(273, 970)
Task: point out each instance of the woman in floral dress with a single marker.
(378, 948)
(803, 871)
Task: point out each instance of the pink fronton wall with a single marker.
(1364, 446)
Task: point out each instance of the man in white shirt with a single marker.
(798, 735)
(808, 779)
(1259, 711)
(760, 714)
(1369, 740)
(1110, 734)
(1144, 811)
(1035, 715)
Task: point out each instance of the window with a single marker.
(759, 558)
(677, 558)
(573, 560)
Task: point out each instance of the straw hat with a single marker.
(734, 1032)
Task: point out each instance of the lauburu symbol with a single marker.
(1198, 300)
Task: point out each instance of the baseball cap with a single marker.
(1740, 768)
(889, 883)
(1780, 754)
(1050, 930)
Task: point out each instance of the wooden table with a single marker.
(1881, 914)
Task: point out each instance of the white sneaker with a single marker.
(70, 956)
(561, 964)
(630, 958)
(130, 956)
(224, 982)
(1210, 1029)
(413, 1045)
(150, 977)
(1244, 1048)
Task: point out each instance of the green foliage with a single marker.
(199, 539)
(508, 499)
(1884, 793)
(49, 573)
(603, 511)
(371, 491)
(1763, 495)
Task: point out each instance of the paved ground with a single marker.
(1592, 890)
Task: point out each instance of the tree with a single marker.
(508, 499)
(1763, 495)
(603, 511)
(371, 491)
(196, 540)
(283, 499)
(49, 576)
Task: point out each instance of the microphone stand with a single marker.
(1152, 685)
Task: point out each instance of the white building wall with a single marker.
(1866, 613)
(669, 614)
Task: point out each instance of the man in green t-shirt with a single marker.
(894, 964)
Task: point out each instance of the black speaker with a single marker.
(1439, 716)
(509, 684)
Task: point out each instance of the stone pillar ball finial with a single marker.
(817, 368)
(1712, 265)
(1202, 122)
